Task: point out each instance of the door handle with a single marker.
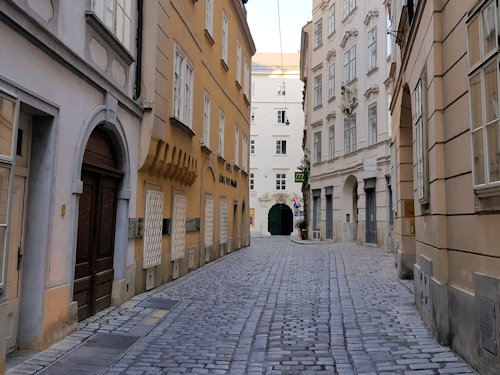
(19, 258)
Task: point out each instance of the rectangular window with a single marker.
(117, 16)
(350, 134)
(372, 48)
(280, 147)
(281, 117)
(252, 181)
(317, 90)
(483, 93)
(182, 87)
(236, 144)
(246, 78)
(206, 120)
(220, 149)
(222, 221)
(209, 221)
(252, 146)
(153, 222)
(244, 152)
(318, 33)
(281, 88)
(224, 37)
(350, 64)
(317, 147)
(349, 6)
(178, 234)
(209, 11)
(331, 19)
(238, 62)
(389, 31)
(331, 142)
(331, 81)
(372, 124)
(419, 121)
(280, 181)
(316, 209)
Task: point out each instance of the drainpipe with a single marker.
(138, 66)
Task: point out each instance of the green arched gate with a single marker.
(280, 220)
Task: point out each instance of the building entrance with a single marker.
(280, 220)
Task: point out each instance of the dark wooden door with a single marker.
(95, 243)
(329, 217)
(371, 219)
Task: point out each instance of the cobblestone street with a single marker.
(276, 307)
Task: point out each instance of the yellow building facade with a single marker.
(192, 186)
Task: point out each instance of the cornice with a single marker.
(348, 34)
(372, 90)
(331, 54)
(373, 13)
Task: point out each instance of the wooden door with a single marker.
(371, 220)
(329, 217)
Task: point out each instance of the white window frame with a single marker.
(281, 88)
(317, 147)
(220, 146)
(331, 142)
(244, 152)
(280, 147)
(420, 131)
(118, 20)
(372, 124)
(238, 62)
(246, 78)
(349, 6)
(280, 181)
(318, 93)
(331, 81)
(331, 19)
(350, 134)
(225, 30)
(350, 64)
(318, 33)
(206, 119)
(252, 181)
(209, 16)
(388, 24)
(182, 87)
(252, 146)
(281, 116)
(236, 144)
(372, 49)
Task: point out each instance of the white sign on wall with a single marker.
(369, 164)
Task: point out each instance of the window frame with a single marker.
(252, 146)
(281, 87)
(252, 181)
(350, 144)
(238, 62)
(318, 90)
(348, 8)
(280, 181)
(317, 147)
(372, 124)
(209, 16)
(371, 53)
(101, 11)
(331, 19)
(182, 90)
(206, 119)
(225, 37)
(244, 152)
(318, 33)
(350, 65)
(220, 146)
(281, 116)
(280, 147)
(421, 150)
(331, 142)
(236, 144)
(331, 81)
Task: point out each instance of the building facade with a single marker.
(68, 164)
(345, 64)
(192, 192)
(275, 143)
(445, 123)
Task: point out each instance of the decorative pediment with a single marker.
(371, 14)
(265, 197)
(347, 35)
(349, 99)
(324, 4)
(372, 90)
(317, 67)
(331, 54)
(331, 116)
(317, 123)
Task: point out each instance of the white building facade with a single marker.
(345, 63)
(276, 129)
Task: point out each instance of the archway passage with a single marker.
(96, 225)
(280, 220)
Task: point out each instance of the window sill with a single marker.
(352, 81)
(236, 167)
(238, 85)
(331, 99)
(224, 65)
(244, 173)
(318, 107)
(332, 34)
(245, 98)
(209, 37)
(109, 37)
(220, 158)
(205, 149)
(346, 18)
(318, 46)
(180, 125)
(371, 71)
(487, 191)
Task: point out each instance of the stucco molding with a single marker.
(317, 67)
(331, 116)
(372, 90)
(331, 54)
(348, 34)
(349, 99)
(373, 13)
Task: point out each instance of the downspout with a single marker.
(138, 66)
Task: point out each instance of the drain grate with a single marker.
(159, 303)
(93, 356)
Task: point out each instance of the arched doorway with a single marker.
(280, 220)
(350, 205)
(96, 225)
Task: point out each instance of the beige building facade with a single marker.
(445, 119)
(193, 199)
(345, 64)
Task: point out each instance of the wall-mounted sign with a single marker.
(227, 181)
(299, 176)
(369, 164)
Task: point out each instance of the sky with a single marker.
(262, 17)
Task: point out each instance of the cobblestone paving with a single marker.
(277, 307)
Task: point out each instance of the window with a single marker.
(236, 144)
(222, 221)
(244, 152)
(331, 81)
(238, 62)
(252, 146)
(209, 16)
(246, 78)
(317, 91)
(317, 147)
(388, 23)
(372, 48)
(318, 33)
(280, 147)
(224, 37)
(420, 141)
(331, 19)
(331, 142)
(117, 16)
(280, 181)
(350, 64)
(281, 116)
(483, 91)
(206, 120)
(389, 117)
(281, 88)
(372, 124)
(220, 149)
(349, 6)
(350, 134)
(316, 209)
(252, 115)
(252, 181)
(182, 95)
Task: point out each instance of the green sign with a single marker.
(299, 177)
